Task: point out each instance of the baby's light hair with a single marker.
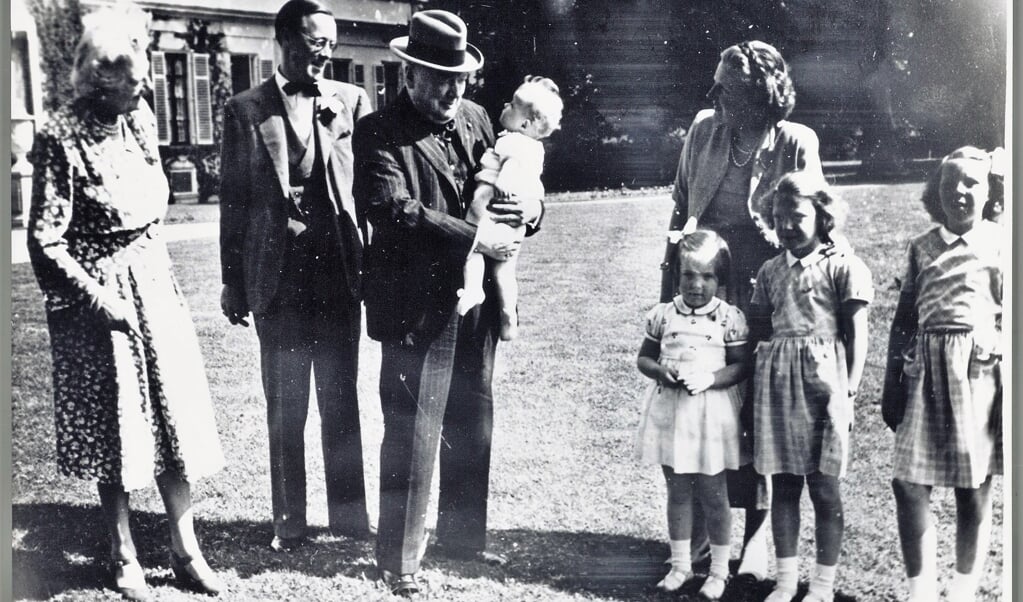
(542, 98)
(831, 210)
(931, 196)
(112, 49)
(707, 246)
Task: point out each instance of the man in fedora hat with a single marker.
(414, 167)
(291, 251)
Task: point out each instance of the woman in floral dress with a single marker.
(130, 391)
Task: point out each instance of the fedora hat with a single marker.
(437, 39)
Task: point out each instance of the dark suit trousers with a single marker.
(308, 327)
(436, 393)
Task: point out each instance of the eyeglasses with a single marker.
(319, 44)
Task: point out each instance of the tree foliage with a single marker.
(586, 46)
(58, 26)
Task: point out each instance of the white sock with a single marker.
(788, 574)
(681, 557)
(925, 585)
(963, 587)
(983, 543)
(754, 557)
(822, 584)
(719, 557)
(923, 589)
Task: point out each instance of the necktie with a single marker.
(306, 88)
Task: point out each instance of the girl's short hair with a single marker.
(112, 49)
(769, 81)
(831, 210)
(542, 97)
(708, 246)
(993, 205)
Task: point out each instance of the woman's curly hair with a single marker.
(112, 49)
(768, 73)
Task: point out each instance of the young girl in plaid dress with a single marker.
(942, 394)
(812, 300)
(695, 351)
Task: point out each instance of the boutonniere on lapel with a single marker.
(329, 109)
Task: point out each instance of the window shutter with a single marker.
(161, 106)
(201, 99)
(266, 70)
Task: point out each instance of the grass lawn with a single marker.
(579, 519)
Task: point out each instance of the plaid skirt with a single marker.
(802, 413)
(951, 433)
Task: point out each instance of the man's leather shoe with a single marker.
(403, 586)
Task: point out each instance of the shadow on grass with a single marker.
(61, 547)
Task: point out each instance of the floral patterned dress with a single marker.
(127, 406)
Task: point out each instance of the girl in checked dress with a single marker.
(813, 300)
(695, 351)
(942, 394)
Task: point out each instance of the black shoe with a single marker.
(403, 586)
(286, 544)
(196, 574)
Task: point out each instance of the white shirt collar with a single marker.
(811, 258)
(298, 106)
(972, 237)
(281, 81)
(290, 100)
(685, 310)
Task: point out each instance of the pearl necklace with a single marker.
(731, 155)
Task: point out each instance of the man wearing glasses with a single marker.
(291, 254)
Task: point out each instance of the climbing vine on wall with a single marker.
(58, 26)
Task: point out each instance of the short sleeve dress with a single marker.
(951, 432)
(693, 434)
(802, 413)
(127, 407)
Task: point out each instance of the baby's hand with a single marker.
(668, 377)
(697, 382)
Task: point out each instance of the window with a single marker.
(359, 73)
(386, 80)
(248, 71)
(241, 72)
(339, 70)
(177, 99)
(181, 97)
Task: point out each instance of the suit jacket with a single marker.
(254, 195)
(416, 210)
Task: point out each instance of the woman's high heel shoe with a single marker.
(129, 580)
(196, 574)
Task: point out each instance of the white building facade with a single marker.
(195, 40)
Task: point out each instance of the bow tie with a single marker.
(306, 88)
(443, 130)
